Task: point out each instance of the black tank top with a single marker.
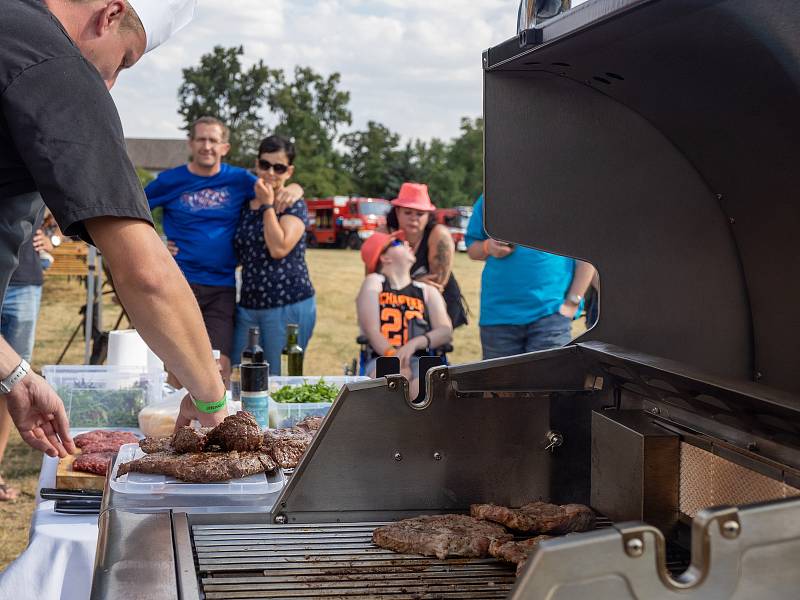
(403, 313)
(452, 293)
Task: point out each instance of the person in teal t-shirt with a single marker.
(528, 297)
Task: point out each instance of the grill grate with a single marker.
(339, 560)
(332, 561)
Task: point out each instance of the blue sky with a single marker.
(413, 65)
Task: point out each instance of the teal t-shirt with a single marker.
(523, 287)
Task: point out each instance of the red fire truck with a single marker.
(456, 220)
(344, 221)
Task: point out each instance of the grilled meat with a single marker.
(151, 445)
(101, 436)
(237, 432)
(538, 517)
(202, 467)
(310, 423)
(287, 446)
(93, 462)
(440, 536)
(187, 439)
(516, 552)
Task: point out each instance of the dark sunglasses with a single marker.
(265, 165)
(393, 244)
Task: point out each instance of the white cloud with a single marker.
(413, 65)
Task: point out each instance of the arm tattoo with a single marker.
(440, 266)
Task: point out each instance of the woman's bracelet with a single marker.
(210, 407)
(428, 340)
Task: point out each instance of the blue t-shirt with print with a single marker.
(523, 287)
(200, 216)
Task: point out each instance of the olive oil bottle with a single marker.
(292, 354)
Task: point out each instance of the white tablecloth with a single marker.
(59, 560)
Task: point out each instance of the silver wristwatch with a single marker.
(16, 375)
(574, 299)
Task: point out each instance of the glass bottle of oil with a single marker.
(292, 353)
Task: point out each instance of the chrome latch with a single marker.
(553, 440)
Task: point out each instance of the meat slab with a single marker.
(101, 436)
(538, 517)
(237, 432)
(94, 462)
(516, 552)
(151, 445)
(202, 467)
(440, 536)
(287, 446)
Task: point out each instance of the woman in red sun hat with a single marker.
(412, 213)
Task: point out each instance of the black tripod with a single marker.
(99, 337)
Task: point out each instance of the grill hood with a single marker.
(658, 140)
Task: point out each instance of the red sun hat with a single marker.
(414, 196)
(375, 245)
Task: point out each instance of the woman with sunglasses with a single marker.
(399, 316)
(271, 247)
(432, 243)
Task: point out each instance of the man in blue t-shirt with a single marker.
(202, 203)
(528, 297)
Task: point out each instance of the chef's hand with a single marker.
(39, 415)
(498, 249)
(189, 412)
(264, 193)
(42, 242)
(173, 248)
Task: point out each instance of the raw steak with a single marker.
(237, 432)
(538, 517)
(287, 446)
(94, 462)
(202, 467)
(102, 436)
(440, 536)
(516, 552)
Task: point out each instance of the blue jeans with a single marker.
(272, 322)
(548, 332)
(19, 315)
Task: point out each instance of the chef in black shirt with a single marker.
(61, 144)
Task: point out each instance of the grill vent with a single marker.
(710, 480)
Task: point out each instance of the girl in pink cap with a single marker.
(412, 213)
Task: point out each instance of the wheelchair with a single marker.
(359, 365)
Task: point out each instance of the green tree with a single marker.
(373, 156)
(312, 110)
(220, 87)
(466, 157)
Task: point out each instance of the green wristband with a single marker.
(210, 407)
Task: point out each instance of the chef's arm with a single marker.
(158, 299)
(369, 319)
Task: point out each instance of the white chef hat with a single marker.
(161, 19)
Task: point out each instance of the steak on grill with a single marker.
(516, 552)
(440, 536)
(93, 462)
(538, 517)
(202, 467)
(237, 432)
(287, 446)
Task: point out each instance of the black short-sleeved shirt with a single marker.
(60, 132)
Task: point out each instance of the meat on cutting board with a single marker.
(104, 437)
(538, 517)
(516, 552)
(440, 536)
(93, 462)
(202, 467)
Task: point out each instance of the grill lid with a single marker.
(657, 139)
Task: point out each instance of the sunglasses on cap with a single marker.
(279, 168)
(393, 244)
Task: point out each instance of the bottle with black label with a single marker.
(255, 392)
(292, 354)
(253, 353)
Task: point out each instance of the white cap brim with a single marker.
(162, 19)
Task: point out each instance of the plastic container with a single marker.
(283, 414)
(97, 396)
(144, 484)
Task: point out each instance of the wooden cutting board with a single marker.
(67, 479)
